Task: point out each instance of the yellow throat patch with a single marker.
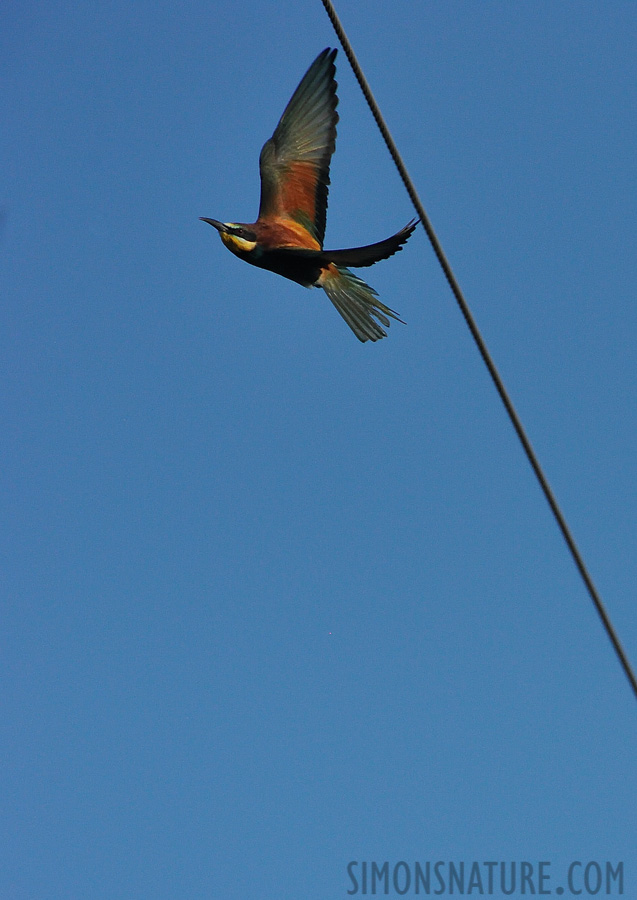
(233, 242)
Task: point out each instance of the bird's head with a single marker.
(237, 237)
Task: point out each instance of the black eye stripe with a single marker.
(242, 233)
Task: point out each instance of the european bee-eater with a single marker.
(287, 238)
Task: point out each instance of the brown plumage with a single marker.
(287, 237)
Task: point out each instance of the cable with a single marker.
(482, 347)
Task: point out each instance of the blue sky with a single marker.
(274, 600)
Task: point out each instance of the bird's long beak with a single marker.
(221, 228)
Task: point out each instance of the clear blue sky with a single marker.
(274, 600)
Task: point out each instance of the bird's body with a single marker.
(287, 237)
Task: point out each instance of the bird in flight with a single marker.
(287, 237)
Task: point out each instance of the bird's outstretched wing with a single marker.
(372, 253)
(295, 162)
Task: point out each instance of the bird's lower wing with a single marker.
(359, 257)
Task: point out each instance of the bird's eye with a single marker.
(243, 233)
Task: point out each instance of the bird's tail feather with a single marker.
(359, 257)
(357, 303)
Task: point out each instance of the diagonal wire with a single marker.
(473, 328)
